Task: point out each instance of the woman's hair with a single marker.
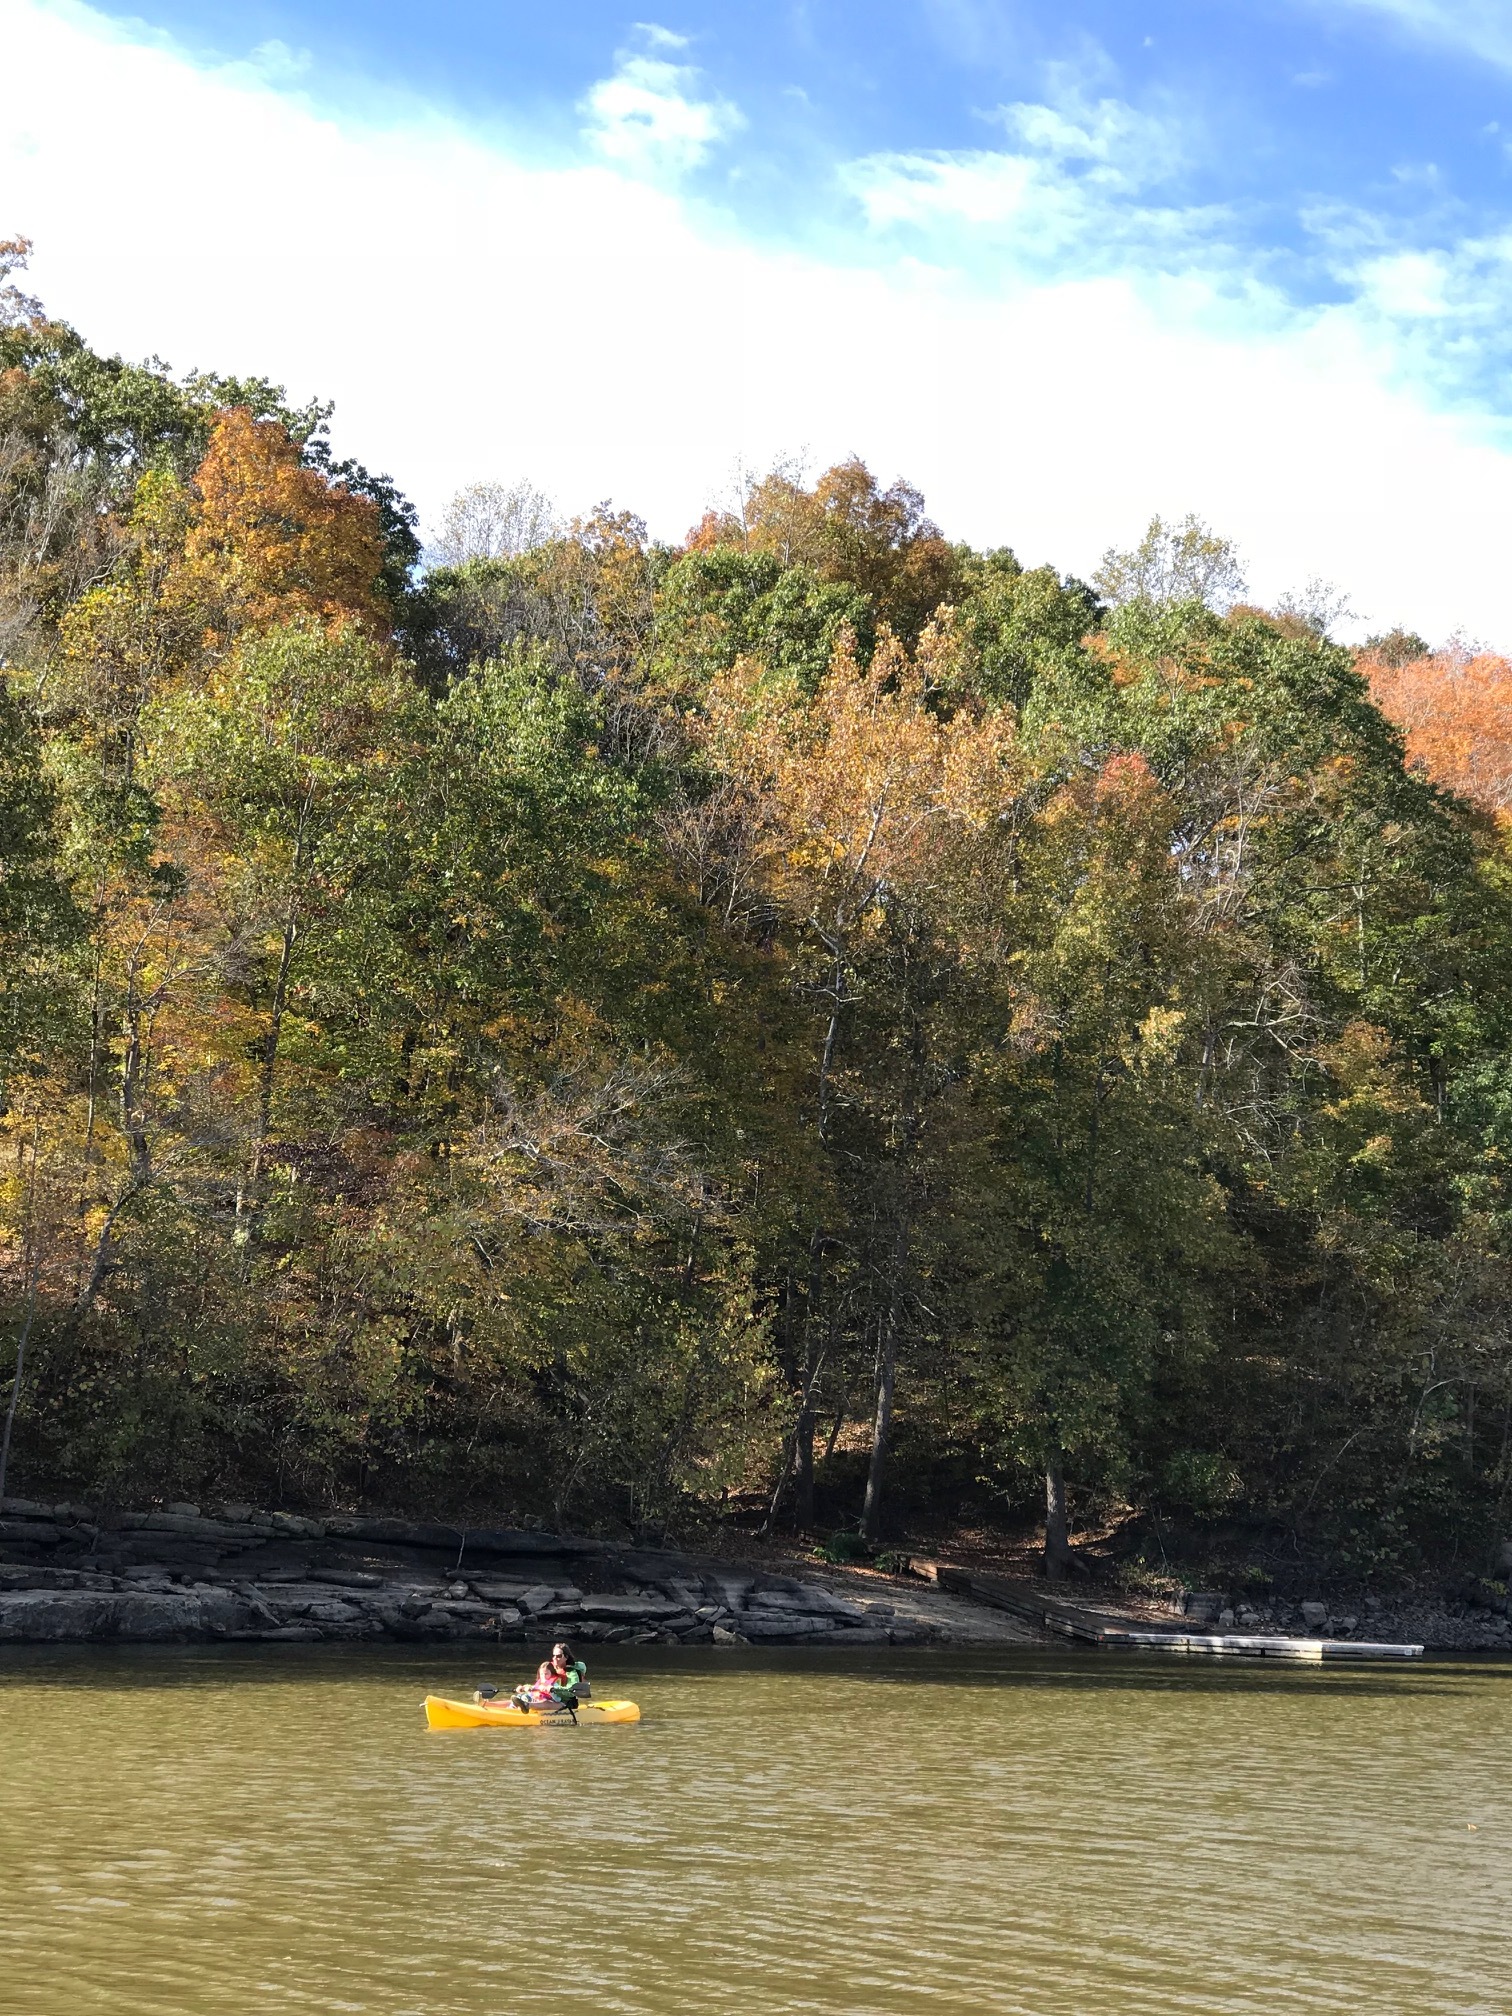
(565, 1650)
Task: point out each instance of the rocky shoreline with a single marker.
(236, 1574)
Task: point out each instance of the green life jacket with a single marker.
(564, 1690)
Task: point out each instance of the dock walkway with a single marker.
(1090, 1626)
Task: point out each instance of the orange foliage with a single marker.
(864, 786)
(846, 529)
(1456, 713)
(289, 543)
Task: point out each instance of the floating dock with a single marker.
(1095, 1627)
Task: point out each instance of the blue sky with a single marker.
(1066, 262)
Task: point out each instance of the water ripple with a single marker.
(192, 1832)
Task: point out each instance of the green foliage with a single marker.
(1027, 627)
(1137, 1575)
(1200, 1483)
(39, 921)
(843, 1549)
(721, 603)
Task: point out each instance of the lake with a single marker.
(203, 1832)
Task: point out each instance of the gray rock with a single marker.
(227, 1611)
(1225, 1619)
(47, 1616)
(1315, 1615)
(40, 1532)
(185, 1525)
(538, 1599)
(150, 1616)
(1203, 1606)
(729, 1587)
(299, 1528)
(642, 1608)
(723, 1637)
(25, 1508)
(775, 1624)
(396, 1532)
(183, 1511)
(825, 1603)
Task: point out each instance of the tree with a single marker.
(275, 540)
(287, 768)
(1455, 709)
(494, 521)
(1173, 563)
(1093, 1216)
(38, 919)
(863, 789)
(847, 529)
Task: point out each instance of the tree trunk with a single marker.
(887, 1365)
(10, 1412)
(1058, 1556)
(803, 1465)
(268, 1062)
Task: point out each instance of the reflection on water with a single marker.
(188, 1832)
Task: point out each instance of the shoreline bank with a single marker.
(235, 1573)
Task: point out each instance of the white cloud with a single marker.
(659, 37)
(474, 315)
(1480, 28)
(1080, 191)
(647, 116)
(1407, 284)
(1123, 147)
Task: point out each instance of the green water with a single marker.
(201, 1833)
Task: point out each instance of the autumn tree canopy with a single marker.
(817, 1025)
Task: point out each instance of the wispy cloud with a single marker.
(1088, 184)
(1478, 28)
(1049, 392)
(649, 117)
(1091, 186)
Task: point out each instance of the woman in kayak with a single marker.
(557, 1679)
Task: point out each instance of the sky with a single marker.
(1062, 263)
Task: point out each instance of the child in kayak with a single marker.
(556, 1681)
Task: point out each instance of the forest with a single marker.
(817, 1026)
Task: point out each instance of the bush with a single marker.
(843, 1548)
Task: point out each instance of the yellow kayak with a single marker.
(443, 1714)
